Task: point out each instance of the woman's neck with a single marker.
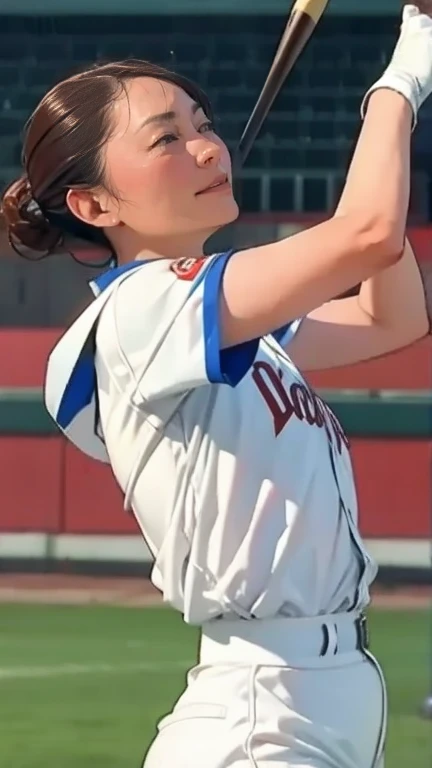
(182, 246)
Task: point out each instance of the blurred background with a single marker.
(84, 673)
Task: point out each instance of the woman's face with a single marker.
(162, 154)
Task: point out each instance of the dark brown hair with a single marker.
(62, 150)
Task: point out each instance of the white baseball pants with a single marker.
(279, 693)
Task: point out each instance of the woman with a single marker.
(184, 375)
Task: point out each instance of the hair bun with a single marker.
(25, 222)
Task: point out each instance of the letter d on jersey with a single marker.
(274, 394)
(299, 401)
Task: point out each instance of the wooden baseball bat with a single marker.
(301, 23)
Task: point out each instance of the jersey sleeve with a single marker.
(286, 334)
(166, 323)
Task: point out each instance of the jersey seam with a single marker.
(252, 716)
(123, 356)
(131, 403)
(121, 351)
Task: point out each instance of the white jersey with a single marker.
(238, 474)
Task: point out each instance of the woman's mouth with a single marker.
(220, 184)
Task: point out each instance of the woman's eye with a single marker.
(167, 138)
(208, 126)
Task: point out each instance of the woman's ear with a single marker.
(91, 209)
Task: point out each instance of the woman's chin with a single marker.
(227, 213)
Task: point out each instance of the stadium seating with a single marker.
(297, 165)
(309, 132)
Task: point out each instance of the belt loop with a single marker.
(337, 641)
(326, 640)
(330, 641)
(333, 635)
(363, 640)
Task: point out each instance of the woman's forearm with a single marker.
(364, 188)
(395, 298)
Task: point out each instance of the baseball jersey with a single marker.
(238, 474)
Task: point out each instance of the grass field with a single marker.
(84, 686)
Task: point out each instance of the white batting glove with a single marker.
(410, 70)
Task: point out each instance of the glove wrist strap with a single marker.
(400, 82)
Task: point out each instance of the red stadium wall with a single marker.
(65, 492)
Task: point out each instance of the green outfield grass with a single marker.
(83, 687)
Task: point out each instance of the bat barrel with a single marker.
(297, 33)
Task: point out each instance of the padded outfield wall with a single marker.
(57, 507)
